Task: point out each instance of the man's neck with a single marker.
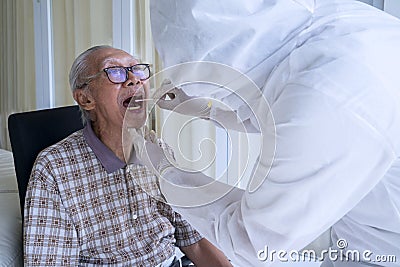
(112, 138)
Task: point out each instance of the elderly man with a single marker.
(83, 206)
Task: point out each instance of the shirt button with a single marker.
(134, 216)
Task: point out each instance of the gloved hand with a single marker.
(176, 186)
(149, 150)
(170, 97)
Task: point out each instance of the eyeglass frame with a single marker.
(127, 70)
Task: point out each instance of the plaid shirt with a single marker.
(83, 207)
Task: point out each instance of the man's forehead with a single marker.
(111, 55)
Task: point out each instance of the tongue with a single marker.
(127, 101)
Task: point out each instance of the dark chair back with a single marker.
(31, 132)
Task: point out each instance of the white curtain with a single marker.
(77, 25)
(17, 68)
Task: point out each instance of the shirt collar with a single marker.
(106, 157)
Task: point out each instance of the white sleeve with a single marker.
(327, 159)
(228, 119)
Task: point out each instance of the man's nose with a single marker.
(133, 79)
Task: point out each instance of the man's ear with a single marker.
(84, 99)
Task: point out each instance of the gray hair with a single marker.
(78, 74)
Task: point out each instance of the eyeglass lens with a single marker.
(120, 74)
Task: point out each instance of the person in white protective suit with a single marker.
(329, 71)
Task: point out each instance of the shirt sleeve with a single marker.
(49, 235)
(185, 234)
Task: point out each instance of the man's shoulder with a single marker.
(68, 145)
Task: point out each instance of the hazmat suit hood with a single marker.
(202, 31)
(263, 34)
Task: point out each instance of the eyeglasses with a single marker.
(119, 74)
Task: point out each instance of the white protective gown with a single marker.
(330, 71)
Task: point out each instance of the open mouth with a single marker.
(134, 102)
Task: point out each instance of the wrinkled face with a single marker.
(111, 101)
